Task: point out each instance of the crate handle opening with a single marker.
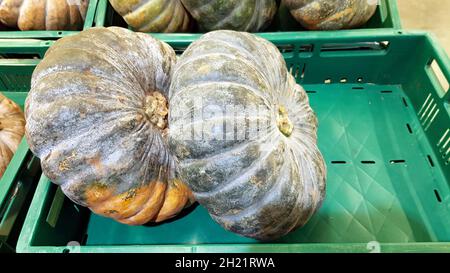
(375, 47)
(20, 56)
(438, 77)
(55, 208)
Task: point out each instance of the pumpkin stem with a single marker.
(156, 108)
(284, 123)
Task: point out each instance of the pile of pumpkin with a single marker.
(182, 15)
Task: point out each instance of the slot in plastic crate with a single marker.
(19, 181)
(386, 17)
(384, 131)
(9, 33)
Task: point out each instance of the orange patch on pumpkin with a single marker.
(178, 196)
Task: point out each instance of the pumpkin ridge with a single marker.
(294, 220)
(163, 12)
(177, 20)
(232, 57)
(255, 207)
(246, 173)
(230, 15)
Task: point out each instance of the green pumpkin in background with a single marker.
(331, 14)
(154, 15)
(241, 15)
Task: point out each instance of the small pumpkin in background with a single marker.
(245, 135)
(242, 15)
(331, 14)
(154, 15)
(96, 117)
(43, 14)
(12, 129)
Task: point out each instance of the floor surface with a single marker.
(429, 15)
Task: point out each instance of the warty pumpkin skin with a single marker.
(331, 14)
(242, 15)
(12, 129)
(154, 15)
(43, 14)
(96, 116)
(245, 135)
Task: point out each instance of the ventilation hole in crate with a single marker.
(409, 128)
(289, 48)
(297, 71)
(405, 102)
(311, 91)
(327, 81)
(179, 50)
(368, 162)
(430, 160)
(303, 71)
(306, 48)
(425, 104)
(66, 250)
(431, 120)
(338, 162)
(343, 80)
(438, 196)
(441, 140)
(60, 33)
(386, 91)
(360, 79)
(291, 68)
(397, 161)
(358, 88)
(428, 112)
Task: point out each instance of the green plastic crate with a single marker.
(8, 33)
(386, 16)
(19, 181)
(384, 131)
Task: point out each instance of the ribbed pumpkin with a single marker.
(242, 15)
(43, 14)
(154, 15)
(245, 135)
(96, 116)
(12, 129)
(331, 14)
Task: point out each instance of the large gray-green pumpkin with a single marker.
(95, 117)
(242, 15)
(154, 15)
(245, 135)
(331, 14)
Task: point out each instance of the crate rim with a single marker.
(31, 220)
(30, 225)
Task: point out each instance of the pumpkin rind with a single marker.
(242, 15)
(331, 14)
(154, 15)
(253, 161)
(43, 14)
(12, 129)
(89, 123)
